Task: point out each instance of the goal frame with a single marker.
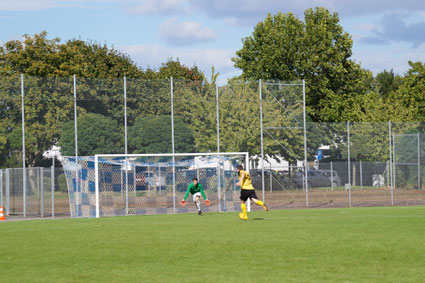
(173, 155)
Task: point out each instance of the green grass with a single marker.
(359, 244)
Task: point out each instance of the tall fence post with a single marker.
(7, 191)
(262, 144)
(172, 143)
(125, 145)
(52, 184)
(218, 150)
(349, 164)
(96, 177)
(305, 149)
(24, 175)
(394, 162)
(391, 163)
(42, 191)
(75, 116)
(77, 183)
(219, 186)
(332, 177)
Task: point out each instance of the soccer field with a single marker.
(358, 244)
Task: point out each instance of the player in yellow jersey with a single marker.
(247, 192)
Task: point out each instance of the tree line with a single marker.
(283, 48)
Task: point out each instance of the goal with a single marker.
(134, 184)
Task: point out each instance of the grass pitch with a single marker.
(358, 244)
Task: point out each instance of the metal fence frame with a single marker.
(391, 146)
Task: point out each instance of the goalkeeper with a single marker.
(195, 188)
(247, 192)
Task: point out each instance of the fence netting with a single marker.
(42, 196)
(283, 139)
(348, 163)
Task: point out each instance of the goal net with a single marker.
(133, 184)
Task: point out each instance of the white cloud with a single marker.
(242, 11)
(248, 12)
(185, 33)
(395, 57)
(395, 28)
(153, 55)
(160, 7)
(367, 27)
(37, 5)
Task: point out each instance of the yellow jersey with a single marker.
(246, 181)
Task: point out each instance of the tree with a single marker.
(152, 134)
(97, 134)
(195, 104)
(48, 66)
(387, 82)
(318, 50)
(48, 100)
(407, 103)
(38, 56)
(173, 68)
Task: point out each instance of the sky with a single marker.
(386, 33)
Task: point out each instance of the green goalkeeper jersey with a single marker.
(193, 189)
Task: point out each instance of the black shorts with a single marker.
(245, 194)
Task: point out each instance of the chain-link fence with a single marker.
(359, 164)
(282, 133)
(45, 195)
(348, 164)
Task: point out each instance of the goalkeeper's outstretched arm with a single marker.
(187, 193)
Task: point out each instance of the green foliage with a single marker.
(240, 121)
(407, 103)
(38, 56)
(152, 134)
(49, 101)
(369, 142)
(97, 134)
(239, 117)
(387, 82)
(195, 104)
(61, 184)
(317, 49)
(173, 68)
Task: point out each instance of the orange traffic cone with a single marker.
(2, 218)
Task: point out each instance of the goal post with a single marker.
(132, 184)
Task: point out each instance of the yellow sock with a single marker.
(259, 202)
(243, 206)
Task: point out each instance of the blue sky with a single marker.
(386, 34)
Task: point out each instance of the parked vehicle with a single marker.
(277, 181)
(316, 178)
